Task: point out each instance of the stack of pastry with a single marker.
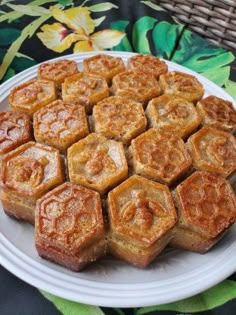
(117, 159)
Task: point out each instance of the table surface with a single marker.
(28, 35)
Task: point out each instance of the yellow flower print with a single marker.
(54, 37)
(100, 40)
(77, 19)
(76, 26)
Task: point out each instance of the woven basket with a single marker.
(213, 19)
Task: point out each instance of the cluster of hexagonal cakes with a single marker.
(119, 159)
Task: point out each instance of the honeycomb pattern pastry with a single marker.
(159, 156)
(97, 163)
(105, 65)
(119, 118)
(57, 71)
(182, 84)
(213, 150)
(217, 112)
(207, 207)
(69, 227)
(32, 95)
(15, 129)
(173, 114)
(147, 64)
(141, 215)
(60, 124)
(85, 88)
(138, 86)
(28, 172)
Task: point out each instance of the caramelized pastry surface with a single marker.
(85, 88)
(97, 163)
(105, 65)
(217, 112)
(182, 84)
(15, 129)
(159, 156)
(69, 226)
(141, 214)
(28, 172)
(57, 71)
(32, 95)
(208, 202)
(147, 64)
(119, 118)
(138, 86)
(213, 150)
(60, 124)
(173, 114)
(207, 207)
(32, 169)
(119, 158)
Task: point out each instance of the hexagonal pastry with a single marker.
(147, 64)
(57, 71)
(142, 216)
(60, 124)
(28, 172)
(213, 151)
(119, 118)
(138, 86)
(97, 163)
(32, 95)
(85, 88)
(159, 156)
(174, 114)
(105, 65)
(15, 129)
(69, 227)
(206, 209)
(217, 112)
(182, 84)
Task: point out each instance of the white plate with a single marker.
(174, 275)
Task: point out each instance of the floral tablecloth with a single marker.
(38, 30)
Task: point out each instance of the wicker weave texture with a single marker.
(214, 19)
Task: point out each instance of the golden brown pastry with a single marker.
(15, 129)
(32, 95)
(159, 156)
(141, 216)
(213, 151)
(206, 209)
(105, 65)
(57, 71)
(138, 86)
(217, 112)
(28, 172)
(147, 64)
(97, 163)
(69, 227)
(119, 165)
(60, 124)
(85, 88)
(119, 118)
(174, 114)
(182, 84)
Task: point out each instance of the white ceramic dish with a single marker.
(174, 275)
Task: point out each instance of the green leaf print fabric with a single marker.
(34, 31)
(208, 300)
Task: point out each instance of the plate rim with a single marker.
(9, 253)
